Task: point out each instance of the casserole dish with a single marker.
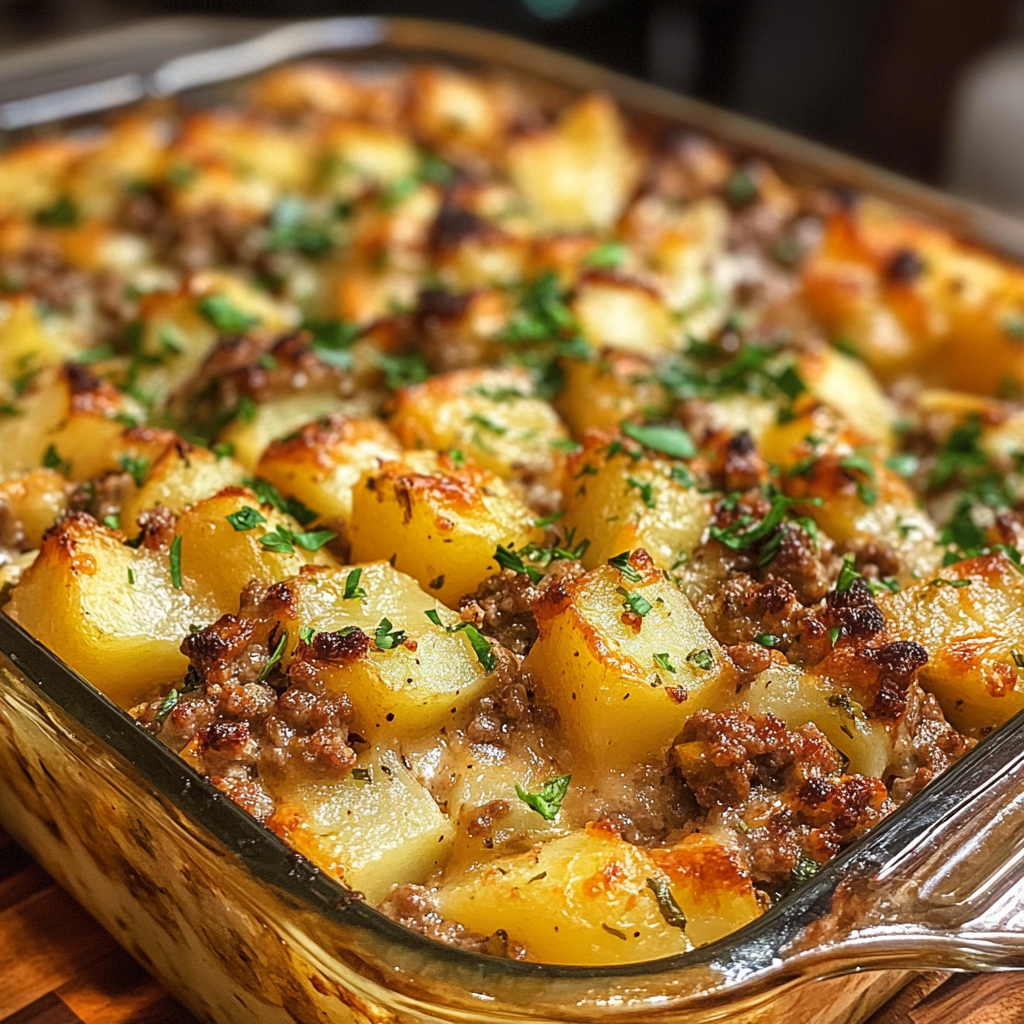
(244, 939)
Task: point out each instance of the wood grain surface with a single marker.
(57, 966)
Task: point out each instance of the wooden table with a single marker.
(57, 966)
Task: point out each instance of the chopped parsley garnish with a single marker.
(400, 371)
(741, 188)
(607, 256)
(223, 449)
(396, 192)
(645, 489)
(754, 370)
(62, 213)
(274, 659)
(306, 634)
(487, 424)
(52, 460)
(862, 471)
(181, 175)
(246, 518)
(542, 313)
(112, 522)
(670, 910)
(95, 355)
(941, 582)
(507, 558)
(902, 464)
(227, 318)
(833, 635)
(962, 451)
(668, 438)
(480, 644)
(621, 562)
(353, 591)
(385, 638)
(137, 466)
(246, 409)
(431, 613)
(331, 341)
(766, 639)
(702, 659)
(662, 661)
(268, 494)
(634, 602)
(847, 575)
(545, 521)
(886, 583)
(175, 562)
(282, 540)
(765, 535)
(167, 705)
(1013, 328)
(131, 577)
(292, 228)
(547, 801)
(804, 869)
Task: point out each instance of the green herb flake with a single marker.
(766, 639)
(52, 460)
(667, 438)
(384, 638)
(175, 562)
(112, 522)
(274, 659)
(268, 494)
(670, 910)
(848, 575)
(487, 424)
(331, 341)
(545, 521)
(547, 801)
(1013, 328)
(62, 213)
(833, 635)
(941, 582)
(291, 228)
(804, 869)
(741, 188)
(279, 541)
(95, 355)
(245, 518)
(621, 562)
(662, 661)
(607, 256)
(634, 602)
(137, 466)
(702, 659)
(645, 489)
(862, 471)
(902, 464)
(314, 540)
(167, 705)
(131, 578)
(480, 644)
(401, 370)
(306, 634)
(362, 774)
(226, 318)
(507, 558)
(431, 613)
(353, 591)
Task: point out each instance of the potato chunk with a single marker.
(373, 829)
(580, 173)
(580, 899)
(970, 620)
(625, 659)
(321, 465)
(440, 524)
(619, 499)
(404, 673)
(491, 416)
(30, 503)
(623, 315)
(110, 611)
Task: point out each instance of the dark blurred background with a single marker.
(901, 82)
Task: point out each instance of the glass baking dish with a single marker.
(241, 928)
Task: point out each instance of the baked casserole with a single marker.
(568, 534)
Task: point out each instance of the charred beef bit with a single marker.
(782, 788)
(904, 267)
(243, 725)
(735, 463)
(453, 225)
(413, 907)
(504, 605)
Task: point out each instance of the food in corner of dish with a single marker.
(564, 531)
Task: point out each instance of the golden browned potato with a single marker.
(437, 522)
(970, 619)
(491, 416)
(30, 503)
(625, 659)
(623, 315)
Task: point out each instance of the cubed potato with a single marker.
(255, 149)
(65, 420)
(456, 111)
(356, 153)
(438, 523)
(180, 476)
(625, 683)
(298, 88)
(110, 611)
(26, 345)
(32, 175)
(709, 885)
(848, 386)
(579, 899)
(623, 315)
(402, 688)
(322, 463)
(799, 698)
(600, 393)
(579, 174)
(218, 559)
(492, 417)
(30, 503)
(970, 619)
(620, 499)
(373, 829)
